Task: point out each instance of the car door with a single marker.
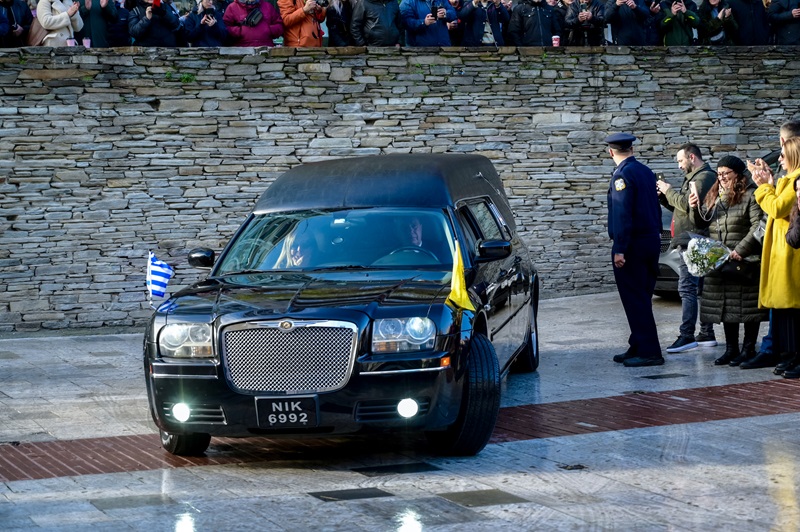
(503, 283)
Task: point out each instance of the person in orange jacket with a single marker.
(301, 22)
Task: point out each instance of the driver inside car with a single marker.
(298, 250)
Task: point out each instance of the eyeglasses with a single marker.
(724, 175)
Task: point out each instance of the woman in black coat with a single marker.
(732, 215)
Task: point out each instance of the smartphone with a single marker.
(660, 177)
(693, 188)
(156, 3)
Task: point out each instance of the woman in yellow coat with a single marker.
(779, 288)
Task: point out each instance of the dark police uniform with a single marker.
(634, 224)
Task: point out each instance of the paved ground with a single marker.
(584, 444)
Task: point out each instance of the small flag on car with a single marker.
(458, 285)
(158, 275)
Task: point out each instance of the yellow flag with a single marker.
(458, 287)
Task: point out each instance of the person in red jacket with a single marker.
(252, 23)
(302, 21)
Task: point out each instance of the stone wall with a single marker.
(106, 154)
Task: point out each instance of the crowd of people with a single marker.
(746, 207)
(469, 23)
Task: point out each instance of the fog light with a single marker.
(181, 412)
(407, 408)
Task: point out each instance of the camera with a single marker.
(322, 3)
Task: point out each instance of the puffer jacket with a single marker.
(53, 17)
(677, 201)
(780, 284)
(161, 30)
(533, 25)
(270, 26)
(724, 300)
(300, 30)
(376, 23)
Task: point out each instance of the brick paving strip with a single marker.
(41, 460)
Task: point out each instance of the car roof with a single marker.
(395, 180)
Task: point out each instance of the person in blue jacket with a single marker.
(634, 225)
(423, 28)
(203, 27)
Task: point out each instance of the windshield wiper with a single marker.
(242, 272)
(332, 268)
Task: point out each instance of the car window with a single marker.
(486, 221)
(357, 238)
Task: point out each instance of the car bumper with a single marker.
(368, 401)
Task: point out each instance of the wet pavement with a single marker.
(584, 444)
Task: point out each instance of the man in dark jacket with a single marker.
(700, 176)
(784, 15)
(634, 225)
(586, 23)
(679, 22)
(19, 19)
(533, 23)
(151, 23)
(118, 31)
(752, 19)
(376, 23)
(426, 22)
(475, 15)
(628, 19)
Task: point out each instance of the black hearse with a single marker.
(388, 292)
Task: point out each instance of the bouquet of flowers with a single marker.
(704, 255)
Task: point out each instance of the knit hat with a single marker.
(732, 162)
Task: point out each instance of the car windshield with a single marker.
(343, 239)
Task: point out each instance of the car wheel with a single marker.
(185, 444)
(480, 404)
(528, 360)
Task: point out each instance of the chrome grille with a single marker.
(289, 357)
(666, 238)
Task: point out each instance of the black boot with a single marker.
(787, 361)
(730, 354)
(793, 372)
(731, 344)
(761, 360)
(748, 352)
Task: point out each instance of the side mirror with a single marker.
(202, 258)
(490, 250)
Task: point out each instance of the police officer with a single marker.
(634, 224)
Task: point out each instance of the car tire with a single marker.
(185, 444)
(528, 360)
(480, 404)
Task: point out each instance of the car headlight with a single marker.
(396, 335)
(186, 340)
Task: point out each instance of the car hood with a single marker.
(281, 293)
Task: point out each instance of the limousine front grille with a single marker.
(289, 357)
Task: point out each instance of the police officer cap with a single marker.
(619, 141)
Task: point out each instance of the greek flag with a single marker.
(158, 275)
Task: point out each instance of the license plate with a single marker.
(286, 412)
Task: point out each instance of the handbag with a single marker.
(36, 34)
(254, 17)
(741, 271)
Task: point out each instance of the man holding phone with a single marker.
(680, 22)
(698, 178)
